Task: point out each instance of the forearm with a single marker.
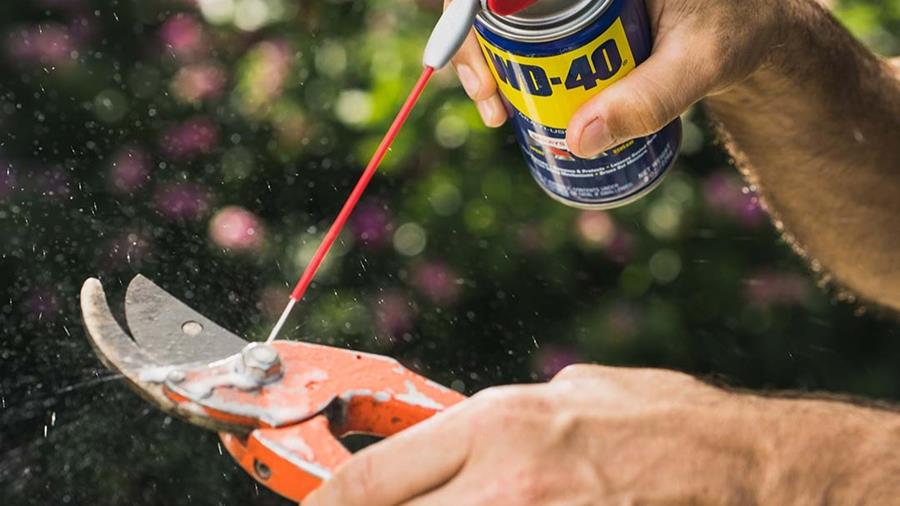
(826, 452)
(817, 129)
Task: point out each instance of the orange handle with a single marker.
(294, 460)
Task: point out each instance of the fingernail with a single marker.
(595, 138)
(491, 110)
(469, 79)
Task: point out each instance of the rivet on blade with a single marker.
(192, 328)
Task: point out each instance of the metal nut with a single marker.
(263, 355)
(261, 362)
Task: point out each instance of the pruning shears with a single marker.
(280, 409)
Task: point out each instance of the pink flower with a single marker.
(46, 44)
(262, 81)
(182, 201)
(195, 83)
(725, 192)
(776, 288)
(394, 314)
(371, 224)
(130, 169)
(595, 228)
(195, 136)
(236, 228)
(553, 358)
(751, 213)
(437, 282)
(183, 35)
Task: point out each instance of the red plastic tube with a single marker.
(339, 222)
(507, 7)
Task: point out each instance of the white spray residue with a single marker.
(296, 445)
(313, 376)
(204, 387)
(417, 398)
(155, 374)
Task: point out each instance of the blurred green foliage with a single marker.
(207, 145)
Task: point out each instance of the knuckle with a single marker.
(641, 111)
(495, 395)
(501, 407)
(576, 371)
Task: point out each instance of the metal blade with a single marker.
(146, 373)
(116, 349)
(170, 331)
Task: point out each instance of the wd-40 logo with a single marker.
(584, 72)
(548, 89)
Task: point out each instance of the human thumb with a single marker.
(641, 103)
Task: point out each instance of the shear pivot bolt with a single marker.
(263, 355)
(261, 362)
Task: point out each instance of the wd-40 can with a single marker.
(550, 59)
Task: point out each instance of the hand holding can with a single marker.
(683, 51)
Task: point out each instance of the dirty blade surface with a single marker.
(170, 331)
(144, 360)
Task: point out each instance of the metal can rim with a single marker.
(548, 28)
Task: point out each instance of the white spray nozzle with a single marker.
(450, 32)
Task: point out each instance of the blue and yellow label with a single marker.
(549, 89)
(542, 85)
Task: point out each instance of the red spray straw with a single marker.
(310, 272)
(507, 7)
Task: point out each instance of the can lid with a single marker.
(545, 20)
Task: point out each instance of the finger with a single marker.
(473, 71)
(400, 467)
(492, 111)
(477, 80)
(479, 83)
(643, 102)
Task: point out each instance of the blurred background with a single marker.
(208, 143)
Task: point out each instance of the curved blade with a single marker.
(116, 349)
(170, 331)
(143, 372)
